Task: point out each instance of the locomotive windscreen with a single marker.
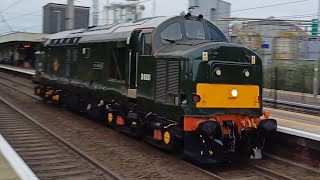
(195, 33)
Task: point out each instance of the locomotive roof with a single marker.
(191, 48)
(113, 32)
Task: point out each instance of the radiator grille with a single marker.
(167, 79)
(173, 77)
(161, 80)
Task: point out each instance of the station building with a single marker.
(18, 48)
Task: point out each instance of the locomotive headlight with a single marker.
(246, 73)
(234, 93)
(218, 71)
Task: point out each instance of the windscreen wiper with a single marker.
(169, 40)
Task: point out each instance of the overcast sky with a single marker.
(33, 22)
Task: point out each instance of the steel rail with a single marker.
(256, 168)
(105, 169)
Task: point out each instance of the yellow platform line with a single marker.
(295, 122)
(294, 113)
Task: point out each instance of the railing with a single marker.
(304, 101)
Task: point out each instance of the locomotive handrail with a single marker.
(137, 60)
(130, 59)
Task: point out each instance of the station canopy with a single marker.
(23, 37)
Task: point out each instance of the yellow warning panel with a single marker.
(228, 96)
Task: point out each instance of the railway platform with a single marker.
(298, 124)
(12, 167)
(30, 72)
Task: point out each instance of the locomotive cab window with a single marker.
(146, 48)
(195, 29)
(171, 33)
(215, 35)
(117, 64)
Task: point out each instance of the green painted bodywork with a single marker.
(182, 65)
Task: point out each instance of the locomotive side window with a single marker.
(86, 52)
(69, 54)
(195, 29)
(117, 64)
(74, 54)
(215, 35)
(146, 44)
(171, 33)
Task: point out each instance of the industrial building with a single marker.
(273, 39)
(309, 49)
(122, 12)
(212, 10)
(54, 17)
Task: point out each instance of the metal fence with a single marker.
(292, 82)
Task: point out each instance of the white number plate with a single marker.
(145, 77)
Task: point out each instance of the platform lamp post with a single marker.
(58, 20)
(70, 15)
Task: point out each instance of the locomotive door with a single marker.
(136, 49)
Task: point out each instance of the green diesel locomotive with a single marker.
(174, 81)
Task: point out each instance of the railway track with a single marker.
(48, 155)
(250, 171)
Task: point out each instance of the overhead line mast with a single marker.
(95, 12)
(70, 15)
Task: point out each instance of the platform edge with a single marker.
(16, 162)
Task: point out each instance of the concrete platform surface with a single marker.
(298, 121)
(6, 171)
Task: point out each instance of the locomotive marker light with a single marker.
(253, 59)
(218, 72)
(246, 73)
(205, 56)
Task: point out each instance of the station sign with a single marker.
(265, 46)
(315, 27)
